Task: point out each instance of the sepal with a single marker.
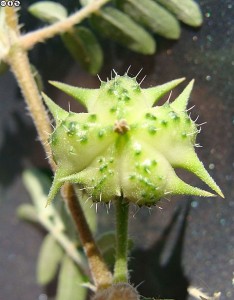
(181, 101)
(58, 113)
(192, 163)
(86, 97)
(56, 185)
(154, 94)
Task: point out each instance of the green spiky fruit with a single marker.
(125, 146)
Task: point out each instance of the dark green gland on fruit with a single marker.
(124, 145)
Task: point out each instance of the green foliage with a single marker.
(127, 22)
(27, 212)
(48, 11)
(88, 208)
(153, 16)
(84, 48)
(50, 256)
(107, 243)
(38, 185)
(56, 219)
(119, 27)
(187, 11)
(70, 281)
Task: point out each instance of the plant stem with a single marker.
(121, 262)
(29, 40)
(100, 273)
(12, 19)
(20, 66)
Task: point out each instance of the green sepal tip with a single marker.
(58, 113)
(156, 93)
(86, 97)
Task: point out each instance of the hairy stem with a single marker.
(100, 273)
(121, 262)
(29, 40)
(12, 19)
(20, 66)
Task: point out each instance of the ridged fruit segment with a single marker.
(125, 146)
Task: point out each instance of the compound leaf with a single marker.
(118, 26)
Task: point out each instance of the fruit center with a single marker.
(121, 126)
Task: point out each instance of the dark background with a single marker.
(190, 240)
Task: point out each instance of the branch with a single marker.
(27, 41)
(101, 275)
(20, 66)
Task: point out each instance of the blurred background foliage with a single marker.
(133, 24)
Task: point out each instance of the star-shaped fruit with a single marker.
(124, 145)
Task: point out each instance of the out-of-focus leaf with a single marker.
(84, 48)
(50, 256)
(48, 11)
(88, 208)
(106, 244)
(152, 15)
(37, 78)
(38, 185)
(187, 11)
(106, 241)
(27, 212)
(70, 282)
(69, 228)
(119, 27)
(85, 2)
(3, 67)
(109, 258)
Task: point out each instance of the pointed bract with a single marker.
(154, 94)
(85, 96)
(179, 187)
(181, 101)
(58, 113)
(56, 185)
(194, 165)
